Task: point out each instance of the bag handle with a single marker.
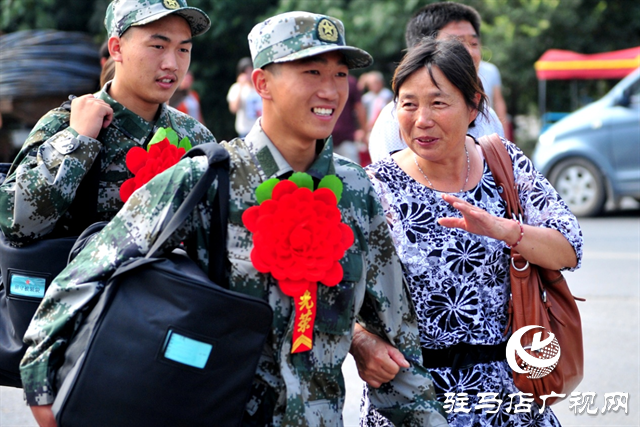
(218, 167)
(501, 168)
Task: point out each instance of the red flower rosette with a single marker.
(299, 238)
(164, 152)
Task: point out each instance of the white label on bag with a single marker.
(26, 286)
(186, 350)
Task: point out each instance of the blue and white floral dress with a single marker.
(459, 281)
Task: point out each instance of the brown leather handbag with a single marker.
(539, 296)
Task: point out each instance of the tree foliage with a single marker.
(515, 33)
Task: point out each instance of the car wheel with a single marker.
(581, 186)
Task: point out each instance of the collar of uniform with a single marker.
(274, 165)
(128, 122)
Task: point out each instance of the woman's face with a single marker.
(433, 120)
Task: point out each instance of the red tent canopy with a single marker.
(557, 64)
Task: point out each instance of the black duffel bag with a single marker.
(165, 345)
(21, 290)
(26, 271)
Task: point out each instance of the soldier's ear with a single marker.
(260, 79)
(115, 48)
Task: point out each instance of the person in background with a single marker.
(108, 72)
(492, 84)
(187, 100)
(439, 20)
(447, 219)
(350, 130)
(104, 53)
(376, 97)
(243, 99)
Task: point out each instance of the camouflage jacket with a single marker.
(308, 387)
(54, 160)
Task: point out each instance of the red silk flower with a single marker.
(299, 238)
(147, 164)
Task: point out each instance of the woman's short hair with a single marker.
(455, 62)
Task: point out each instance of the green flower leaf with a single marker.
(185, 143)
(265, 190)
(333, 183)
(172, 135)
(302, 180)
(159, 136)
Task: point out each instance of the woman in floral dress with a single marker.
(448, 222)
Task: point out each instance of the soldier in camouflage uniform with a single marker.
(61, 149)
(301, 68)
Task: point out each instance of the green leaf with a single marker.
(333, 183)
(265, 190)
(159, 136)
(185, 143)
(172, 135)
(302, 180)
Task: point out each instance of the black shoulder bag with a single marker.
(26, 271)
(165, 345)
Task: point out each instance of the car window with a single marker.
(634, 91)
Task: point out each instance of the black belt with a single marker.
(463, 356)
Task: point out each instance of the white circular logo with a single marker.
(538, 357)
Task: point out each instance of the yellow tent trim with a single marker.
(587, 65)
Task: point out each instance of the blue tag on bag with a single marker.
(27, 286)
(185, 350)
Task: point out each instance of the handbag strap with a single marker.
(218, 167)
(218, 235)
(501, 167)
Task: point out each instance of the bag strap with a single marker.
(501, 167)
(4, 171)
(218, 167)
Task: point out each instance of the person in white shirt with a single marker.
(492, 82)
(376, 97)
(439, 20)
(243, 99)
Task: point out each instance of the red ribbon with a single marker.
(305, 317)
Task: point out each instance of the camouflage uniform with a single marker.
(302, 389)
(54, 160)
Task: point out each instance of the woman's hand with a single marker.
(542, 246)
(378, 362)
(478, 221)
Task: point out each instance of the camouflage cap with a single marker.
(296, 35)
(122, 14)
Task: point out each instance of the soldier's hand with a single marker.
(44, 416)
(89, 115)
